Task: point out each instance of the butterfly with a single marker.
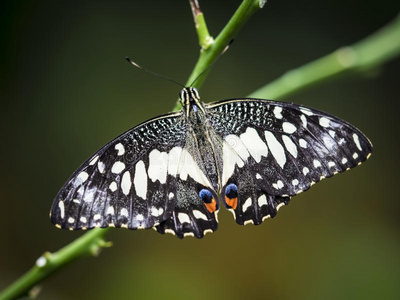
(171, 173)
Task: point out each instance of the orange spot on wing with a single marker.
(212, 206)
(232, 202)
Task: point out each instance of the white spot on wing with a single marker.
(139, 217)
(71, 220)
(246, 204)
(254, 144)
(113, 186)
(331, 164)
(324, 122)
(316, 163)
(82, 177)
(118, 167)
(288, 127)
(158, 165)
(262, 200)
(183, 218)
(303, 120)
(303, 143)
(258, 176)
(83, 219)
(278, 112)
(171, 195)
(332, 133)
(355, 155)
(276, 148)
(126, 183)
(110, 210)
(140, 180)
(278, 185)
(94, 160)
(290, 146)
(199, 215)
(101, 166)
(62, 209)
(295, 182)
(357, 141)
(154, 211)
(248, 222)
(96, 217)
(124, 212)
(344, 160)
(306, 111)
(306, 171)
(173, 160)
(120, 148)
(279, 206)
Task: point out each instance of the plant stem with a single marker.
(205, 39)
(369, 53)
(212, 49)
(86, 245)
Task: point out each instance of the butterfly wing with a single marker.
(144, 178)
(274, 150)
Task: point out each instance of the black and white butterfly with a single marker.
(171, 172)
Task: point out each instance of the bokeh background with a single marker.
(66, 90)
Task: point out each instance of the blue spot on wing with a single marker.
(231, 191)
(206, 195)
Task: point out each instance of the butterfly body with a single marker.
(171, 172)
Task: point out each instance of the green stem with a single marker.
(213, 50)
(205, 39)
(86, 245)
(362, 56)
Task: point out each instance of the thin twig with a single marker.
(194, 4)
(212, 49)
(372, 51)
(88, 244)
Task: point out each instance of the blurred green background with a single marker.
(66, 90)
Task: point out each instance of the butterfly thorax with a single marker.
(200, 141)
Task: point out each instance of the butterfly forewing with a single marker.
(127, 182)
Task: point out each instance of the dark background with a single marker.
(66, 90)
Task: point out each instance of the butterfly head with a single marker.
(190, 99)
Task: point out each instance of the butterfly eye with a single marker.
(182, 95)
(231, 194)
(195, 93)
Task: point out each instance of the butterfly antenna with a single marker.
(206, 69)
(153, 73)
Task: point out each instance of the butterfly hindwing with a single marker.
(190, 216)
(274, 150)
